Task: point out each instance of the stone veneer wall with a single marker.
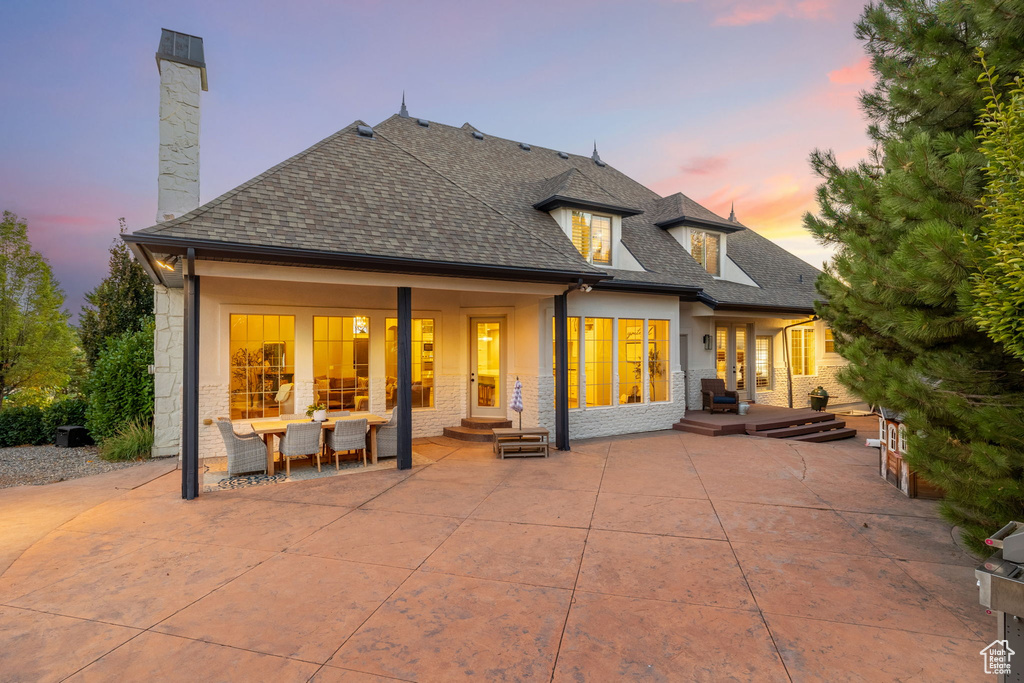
(803, 385)
(167, 362)
(694, 401)
(178, 182)
(585, 423)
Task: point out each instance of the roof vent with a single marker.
(364, 131)
(563, 155)
(597, 157)
(423, 122)
(524, 146)
(478, 135)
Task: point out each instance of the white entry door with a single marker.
(732, 358)
(487, 367)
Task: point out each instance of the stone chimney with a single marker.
(182, 75)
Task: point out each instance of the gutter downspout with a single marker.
(785, 348)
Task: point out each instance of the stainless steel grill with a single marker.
(1001, 591)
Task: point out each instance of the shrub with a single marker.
(121, 388)
(25, 425)
(66, 411)
(133, 441)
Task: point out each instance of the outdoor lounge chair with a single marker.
(387, 437)
(301, 440)
(716, 397)
(246, 452)
(348, 435)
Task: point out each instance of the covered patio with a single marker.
(664, 556)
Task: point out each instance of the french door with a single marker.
(732, 341)
(487, 367)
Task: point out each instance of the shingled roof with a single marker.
(440, 194)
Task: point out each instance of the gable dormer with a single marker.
(704, 234)
(591, 218)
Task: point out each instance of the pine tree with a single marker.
(121, 303)
(898, 293)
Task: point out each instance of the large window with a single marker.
(705, 247)
(262, 365)
(573, 325)
(657, 359)
(597, 352)
(802, 350)
(631, 360)
(422, 362)
(592, 237)
(763, 362)
(341, 362)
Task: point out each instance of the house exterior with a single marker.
(509, 257)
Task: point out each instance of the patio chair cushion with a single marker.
(724, 399)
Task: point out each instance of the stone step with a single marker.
(832, 435)
(760, 427)
(799, 430)
(486, 422)
(696, 429)
(469, 434)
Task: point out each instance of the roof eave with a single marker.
(699, 223)
(212, 249)
(557, 201)
(648, 288)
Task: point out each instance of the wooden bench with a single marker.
(521, 442)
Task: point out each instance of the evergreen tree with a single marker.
(898, 293)
(121, 303)
(37, 347)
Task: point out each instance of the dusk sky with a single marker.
(720, 99)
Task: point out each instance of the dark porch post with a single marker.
(562, 372)
(404, 380)
(190, 383)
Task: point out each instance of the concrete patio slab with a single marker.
(439, 627)
(665, 556)
(292, 606)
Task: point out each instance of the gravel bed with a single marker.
(48, 464)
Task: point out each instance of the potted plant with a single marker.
(317, 411)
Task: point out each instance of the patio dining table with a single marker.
(271, 428)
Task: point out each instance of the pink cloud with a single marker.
(704, 165)
(855, 74)
(746, 12)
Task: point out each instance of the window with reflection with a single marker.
(631, 360)
(802, 350)
(573, 331)
(592, 237)
(705, 247)
(657, 359)
(597, 354)
(341, 362)
(262, 366)
(422, 362)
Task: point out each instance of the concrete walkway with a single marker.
(664, 557)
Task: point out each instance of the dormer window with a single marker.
(592, 237)
(706, 249)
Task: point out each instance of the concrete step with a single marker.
(832, 435)
(469, 434)
(485, 422)
(799, 430)
(782, 422)
(696, 429)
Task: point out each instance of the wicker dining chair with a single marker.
(246, 452)
(387, 437)
(348, 435)
(301, 440)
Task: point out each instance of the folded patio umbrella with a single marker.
(517, 400)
